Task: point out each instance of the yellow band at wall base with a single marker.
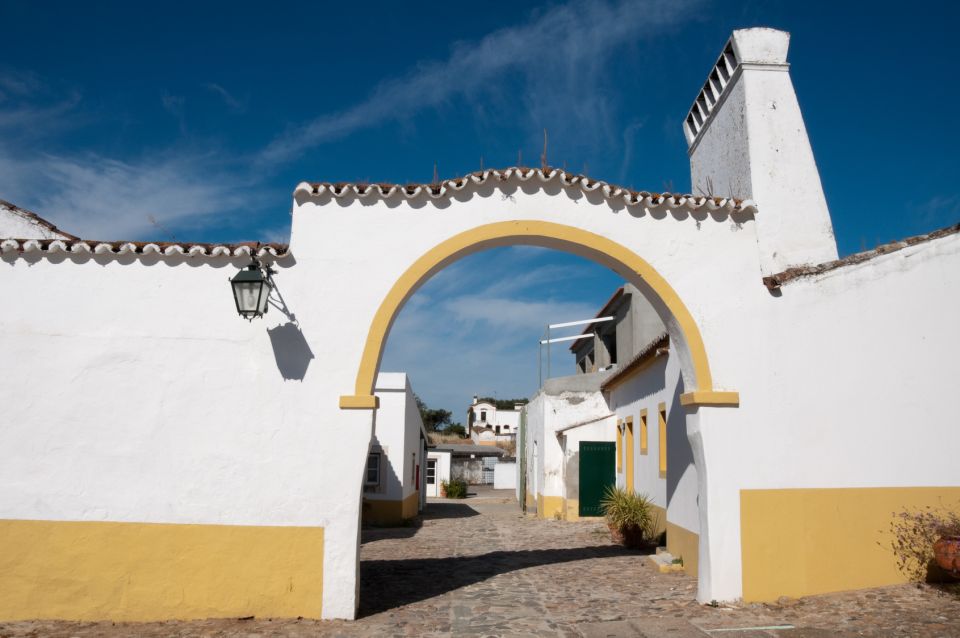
(70, 570)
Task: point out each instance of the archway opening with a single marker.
(631, 266)
(636, 431)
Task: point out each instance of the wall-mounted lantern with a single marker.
(251, 290)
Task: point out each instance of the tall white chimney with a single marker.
(747, 140)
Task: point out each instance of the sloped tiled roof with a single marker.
(773, 282)
(67, 243)
(655, 348)
(33, 218)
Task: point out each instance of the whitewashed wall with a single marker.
(397, 431)
(658, 383)
(443, 470)
(139, 395)
(505, 476)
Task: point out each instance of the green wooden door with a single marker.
(597, 467)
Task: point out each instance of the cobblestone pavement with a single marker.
(479, 568)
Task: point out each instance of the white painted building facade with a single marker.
(566, 411)
(489, 425)
(163, 458)
(438, 471)
(392, 478)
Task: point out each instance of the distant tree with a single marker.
(502, 404)
(455, 428)
(434, 420)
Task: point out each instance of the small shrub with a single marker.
(457, 488)
(914, 533)
(630, 514)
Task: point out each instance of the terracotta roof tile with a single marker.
(167, 249)
(543, 176)
(773, 282)
(647, 353)
(35, 218)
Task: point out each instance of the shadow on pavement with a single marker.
(387, 584)
(447, 510)
(433, 511)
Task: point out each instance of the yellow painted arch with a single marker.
(541, 233)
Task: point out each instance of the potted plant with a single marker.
(631, 518)
(946, 551)
(455, 488)
(924, 538)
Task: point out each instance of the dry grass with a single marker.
(437, 437)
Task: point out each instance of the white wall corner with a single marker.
(748, 140)
(761, 45)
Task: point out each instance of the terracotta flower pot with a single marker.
(947, 554)
(631, 536)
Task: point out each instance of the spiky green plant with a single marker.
(625, 510)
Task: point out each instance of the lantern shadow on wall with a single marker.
(290, 347)
(291, 350)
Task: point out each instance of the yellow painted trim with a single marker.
(661, 516)
(531, 500)
(801, 542)
(147, 571)
(533, 232)
(619, 445)
(662, 443)
(630, 457)
(683, 543)
(643, 432)
(550, 507)
(662, 407)
(359, 402)
(701, 397)
(384, 511)
(411, 505)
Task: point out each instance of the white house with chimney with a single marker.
(489, 425)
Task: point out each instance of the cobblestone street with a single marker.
(479, 568)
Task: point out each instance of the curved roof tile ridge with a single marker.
(446, 187)
(164, 249)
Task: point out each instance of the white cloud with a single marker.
(37, 121)
(474, 327)
(15, 83)
(560, 54)
(174, 105)
(514, 315)
(938, 210)
(226, 96)
(101, 198)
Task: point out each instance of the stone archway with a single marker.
(550, 235)
(684, 330)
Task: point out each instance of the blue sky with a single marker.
(196, 120)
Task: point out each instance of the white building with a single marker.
(161, 457)
(438, 470)
(392, 481)
(489, 425)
